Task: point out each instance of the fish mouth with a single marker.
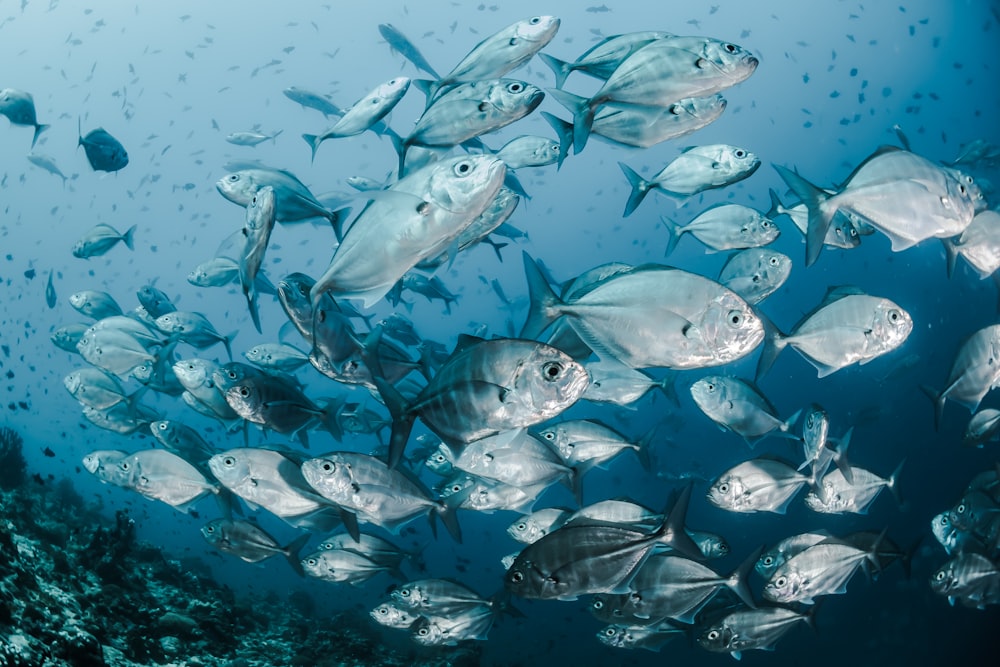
(752, 62)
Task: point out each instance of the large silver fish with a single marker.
(725, 227)
(651, 316)
(773, 558)
(487, 387)
(417, 218)
(759, 485)
(294, 200)
(969, 578)
(601, 60)
(101, 239)
(164, 476)
(974, 372)
(836, 495)
(822, 569)
(906, 197)
(848, 327)
(365, 113)
(697, 169)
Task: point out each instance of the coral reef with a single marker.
(12, 464)
(79, 589)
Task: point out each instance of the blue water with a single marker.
(834, 79)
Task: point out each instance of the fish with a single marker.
(969, 578)
(532, 527)
(50, 292)
(121, 418)
(251, 543)
(19, 108)
(901, 194)
(342, 566)
(983, 427)
(739, 406)
(724, 227)
(251, 138)
(583, 558)
(822, 569)
(615, 383)
(196, 376)
(67, 336)
(294, 201)
(394, 615)
(277, 357)
(261, 215)
(418, 217)
(651, 316)
(485, 388)
(759, 485)
(747, 629)
(585, 443)
(364, 113)
(161, 475)
(697, 169)
(48, 163)
(523, 461)
(500, 53)
(310, 100)
(473, 623)
(271, 480)
(755, 273)
(771, 559)
(114, 351)
(94, 304)
(101, 239)
(844, 232)
(95, 388)
(974, 372)
(601, 60)
(194, 329)
(979, 245)
(430, 288)
(403, 46)
(103, 464)
(629, 637)
(835, 495)
(221, 271)
(182, 440)
(155, 301)
(530, 151)
(661, 73)
(104, 152)
(278, 405)
(847, 327)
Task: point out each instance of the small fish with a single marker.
(311, 100)
(740, 407)
(365, 114)
(19, 107)
(403, 46)
(251, 543)
(48, 164)
(104, 152)
(101, 239)
(50, 292)
(251, 138)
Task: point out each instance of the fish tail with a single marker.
(314, 141)
(777, 208)
(560, 68)
(643, 447)
(275, 136)
(840, 456)
(250, 292)
(574, 482)
(564, 131)
(337, 219)
(938, 399)
(774, 343)
(427, 87)
(873, 552)
(39, 128)
(672, 531)
(737, 581)
(129, 238)
(640, 188)
(263, 284)
(544, 303)
(583, 116)
(511, 182)
(447, 508)
(330, 410)
(496, 245)
(668, 387)
(674, 232)
(291, 552)
(819, 217)
(227, 343)
(893, 483)
(402, 419)
(951, 254)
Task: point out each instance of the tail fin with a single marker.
(583, 116)
(314, 141)
(227, 342)
(447, 508)
(774, 343)
(337, 219)
(642, 449)
(893, 483)
(672, 531)
(640, 188)
(840, 456)
(39, 128)
(938, 398)
(951, 254)
(275, 136)
(737, 580)
(560, 68)
(544, 306)
(564, 131)
(674, 232)
(291, 552)
(777, 208)
(819, 219)
(128, 238)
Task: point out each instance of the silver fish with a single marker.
(983, 427)
(697, 169)
(312, 100)
(260, 219)
(67, 336)
(538, 524)
(94, 304)
(19, 108)
(836, 495)
(974, 372)
(101, 239)
(103, 464)
(161, 475)
(843, 232)
(95, 388)
(394, 615)
(759, 485)
(651, 316)
(342, 566)
(822, 569)
(588, 442)
(365, 113)
(194, 329)
(629, 637)
(771, 559)
(738, 406)
(725, 227)
(979, 245)
(748, 629)
(755, 273)
(848, 327)
(251, 543)
(529, 151)
(293, 199)
(277, 357)
(48, 163)
(601, 60)
(969, 578)
(182, 440)
(251, 138)
(400, 44)
(114, 351)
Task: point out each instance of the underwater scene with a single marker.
(458, 333)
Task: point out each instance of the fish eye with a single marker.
(515, 87)
(311, 561)
(232, 374)
(765, 224)
(895, 315)
(125, 465)
(423, 632)
(463, 168)
(960, 509)
(232, 178)
(405, 592)
(521, 526)
(610, 632)
(780, 582)
(328, 467)
(244, 392)
(710, 386)
(382, 610)
(724, 548)
(163, 426)
(854, 232)
(739, 152)
(730, 48)
(773, 261)
(209, 529)
(675, 109)
(229, 461)
(517, 577)
(724, 487)
(598, 604)
(455, 488)
(940, 576)
(535, 20)
(768, 560)
(735, 318)
(552, 370)
(713, 635)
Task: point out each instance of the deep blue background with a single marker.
(833, 81)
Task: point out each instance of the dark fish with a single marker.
(50, 293)
(404, 47)
(155, 301)
(104, 152)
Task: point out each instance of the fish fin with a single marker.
(737, 655)
(447, 508)
(583, 116)
(564, 131)
(640, 188)
(840, 456)
(350, 520)
(643, 448)
(776, 205)
(292, 552)
(314, 141)
(544, 303)
(227, 342)
(497, 246)
(560, 68)
(337, 219)
(774, 343)
(511, 182)
(128, 238)
(263, 285)
(819, 218)
(951, 254)
(39, 128)
(672, 531)
(737, 581)
(938, 399)
(893, 483)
